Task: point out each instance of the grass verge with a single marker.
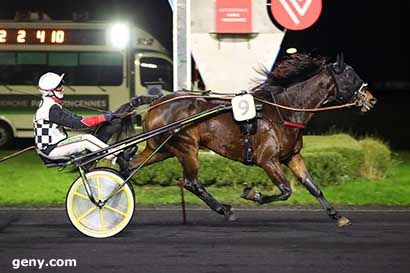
(25, 181)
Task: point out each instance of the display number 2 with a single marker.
(21, 36)
(3, 36)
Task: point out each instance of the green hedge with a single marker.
(377, 158)
(331, 159)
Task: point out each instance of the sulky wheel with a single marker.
(108, 220)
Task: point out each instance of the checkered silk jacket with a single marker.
(47, 133)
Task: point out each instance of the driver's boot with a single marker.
(123, 159)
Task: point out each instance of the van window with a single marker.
(63, 59)
(154, 69)
(7, 58)
(80, 68)
(25, 58)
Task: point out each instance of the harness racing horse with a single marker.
(298, 82)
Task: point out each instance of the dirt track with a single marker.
(279, 240)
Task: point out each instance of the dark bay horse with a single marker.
(300, 81)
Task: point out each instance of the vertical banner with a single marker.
(233, 16)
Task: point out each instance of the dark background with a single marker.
(371, 34)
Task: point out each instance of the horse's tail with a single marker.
(125, 112)
(121, 126)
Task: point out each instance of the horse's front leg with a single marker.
(194, 185)
(189, 161)
(298, 167)
(275, 173)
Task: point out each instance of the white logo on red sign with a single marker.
(296, 14)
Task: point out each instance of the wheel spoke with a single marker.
(88, 212)
(102, 219)
(122, 189)
(82, 195)
(115, 210)
(98, 188)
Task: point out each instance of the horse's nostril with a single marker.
(373, 100)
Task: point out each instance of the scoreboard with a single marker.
(44, 36)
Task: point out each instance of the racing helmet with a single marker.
(49, 82)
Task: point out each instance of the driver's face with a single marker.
(60, 90)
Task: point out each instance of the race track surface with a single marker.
(268, 240)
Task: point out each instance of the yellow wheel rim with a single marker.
(100, 222)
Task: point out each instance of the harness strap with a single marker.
(248, 149)
(293, 124)
(282, 120)
(248, 128)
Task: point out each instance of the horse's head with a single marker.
(350, 88)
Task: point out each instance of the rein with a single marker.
(16, 153)
(188, 97)
(346, 105)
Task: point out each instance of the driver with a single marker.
(50, 119)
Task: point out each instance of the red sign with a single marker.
(296, 14)
(233, 16)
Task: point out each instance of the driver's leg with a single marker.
(78, 144)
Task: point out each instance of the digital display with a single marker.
(30, 36)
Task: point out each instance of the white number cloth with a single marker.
(243, 107)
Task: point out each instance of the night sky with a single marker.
(370, 33)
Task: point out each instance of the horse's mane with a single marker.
(294, 68)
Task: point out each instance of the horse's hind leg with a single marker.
(298, 167)
(275, 173)
(190, 165)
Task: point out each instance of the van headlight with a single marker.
(119, 35)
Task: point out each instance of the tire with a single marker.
(6, 135)
(103, 222)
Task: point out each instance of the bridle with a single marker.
(361, 96)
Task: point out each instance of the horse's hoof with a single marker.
(342, 222)
(230, 216)
(248, 193)
(228, 213)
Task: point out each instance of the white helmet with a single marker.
(49, 82)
